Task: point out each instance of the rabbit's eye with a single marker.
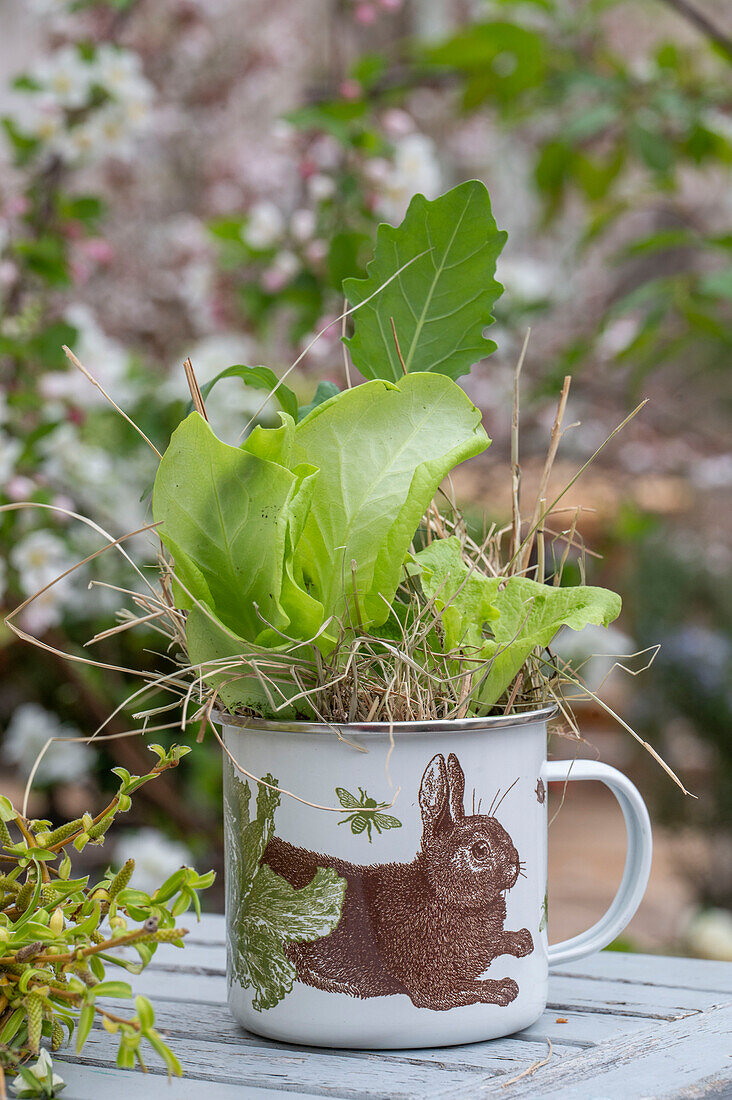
(480, 850)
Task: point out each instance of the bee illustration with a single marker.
(367, 813)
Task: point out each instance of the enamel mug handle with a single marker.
(637, 860)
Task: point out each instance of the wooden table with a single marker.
(625, 1026)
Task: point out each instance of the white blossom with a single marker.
(9, 451)
(110, 133)
(320, 187)
(30, 728)
(156, 857)
(47, 609)
(326, 152)
(39, 558)
(281, 271)
(302, 224)
(66, 76)
(415, 170)
(526, 278)
(42, 1070)
(119, 72)
(265, 226)
(617, 336)
(104, 357)
(710, 934)
(41, 117)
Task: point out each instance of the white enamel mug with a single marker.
(416, 915)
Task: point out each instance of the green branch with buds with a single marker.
(58, 934)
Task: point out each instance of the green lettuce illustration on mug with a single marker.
(267, 912)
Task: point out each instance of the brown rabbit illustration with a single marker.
(428, 928)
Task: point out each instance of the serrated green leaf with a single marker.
(522, 615)
(260, 378)
(442, 302)
(530, 614)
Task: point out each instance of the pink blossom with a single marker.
(98, 249)
(316, 251)
(397, 123)
(390, 5)
(17, 206)
(8, 272)
(350, 89)
(61, 500)
(80, 270)
(365, 14)
(73, 230)
(19, 487)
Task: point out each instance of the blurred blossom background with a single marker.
(188, 178)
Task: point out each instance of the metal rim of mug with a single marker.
(440, 725)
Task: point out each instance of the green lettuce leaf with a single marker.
(442, 302)
(208, 640)
(521, 615)
(530, 614)
(465, 599)
(259, 378)
(227, 516)
(382, 451)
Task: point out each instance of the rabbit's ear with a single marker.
(433, 797)
(456, 785)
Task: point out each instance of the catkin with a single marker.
(34, 1014)
(62, 833)
(57, 1035)
(121, 879)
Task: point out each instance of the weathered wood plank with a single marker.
(91, 1082)
(163, 979)
(348, 1076)
(671, 1060)
(582, 1029)
(181, 1021)
(679, 973)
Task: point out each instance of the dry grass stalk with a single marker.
(531, 1070)
(195, 389)
(554, 440)
(515, 468)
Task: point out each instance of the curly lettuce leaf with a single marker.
(441, 303)
(530, 614)
(227, 516)
(382, 451)
(465, 599)
(520, 614)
